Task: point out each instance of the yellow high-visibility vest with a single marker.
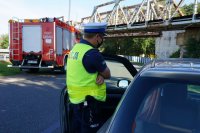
(80, 83)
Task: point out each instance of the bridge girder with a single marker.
(149, 15)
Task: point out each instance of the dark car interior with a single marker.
(180, 106)
(114, 95)
(176, 112)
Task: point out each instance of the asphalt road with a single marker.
(29, 103)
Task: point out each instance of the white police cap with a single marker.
(94, 27)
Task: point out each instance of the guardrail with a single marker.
(138, 59)
(4, 57)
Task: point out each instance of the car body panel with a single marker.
(151, 76)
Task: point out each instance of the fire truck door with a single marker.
(73, 38)
(66, 40)
(32, 38)
(59, 43)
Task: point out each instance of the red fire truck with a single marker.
(41, 43)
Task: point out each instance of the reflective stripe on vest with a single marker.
(80, 83)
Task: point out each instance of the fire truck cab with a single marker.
(40, 43)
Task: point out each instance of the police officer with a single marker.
(86, 71)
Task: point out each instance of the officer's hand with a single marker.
(100, 80)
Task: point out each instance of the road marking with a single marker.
(10, 80)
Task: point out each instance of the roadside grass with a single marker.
(5, 71)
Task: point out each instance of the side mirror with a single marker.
(123, 83)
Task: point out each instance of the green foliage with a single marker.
(175, 54)
(4, 41)
(150, 46)
(5, 71)
(193, 48)
(129, 46)
(189, 9)
(110, 46)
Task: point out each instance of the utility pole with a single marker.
(69, 10)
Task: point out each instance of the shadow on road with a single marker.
(44, 72)
(29, 102)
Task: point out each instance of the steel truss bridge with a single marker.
(148, 18)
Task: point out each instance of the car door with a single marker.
(123, 70)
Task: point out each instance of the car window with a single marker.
(118, 72)
(170, 108)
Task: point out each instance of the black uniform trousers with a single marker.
(86, 116)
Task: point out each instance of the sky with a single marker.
(35, 9)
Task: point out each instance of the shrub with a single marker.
(175, 54)
(193, 48)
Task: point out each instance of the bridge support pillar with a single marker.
(166, 45)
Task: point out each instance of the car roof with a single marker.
(183, 69)
(176, 63)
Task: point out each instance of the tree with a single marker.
(129, 46)
(110, 46)
(150, 49)
(175, 54)
(189, 9)
(192, 48)
(138, 49)
(4, 41)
